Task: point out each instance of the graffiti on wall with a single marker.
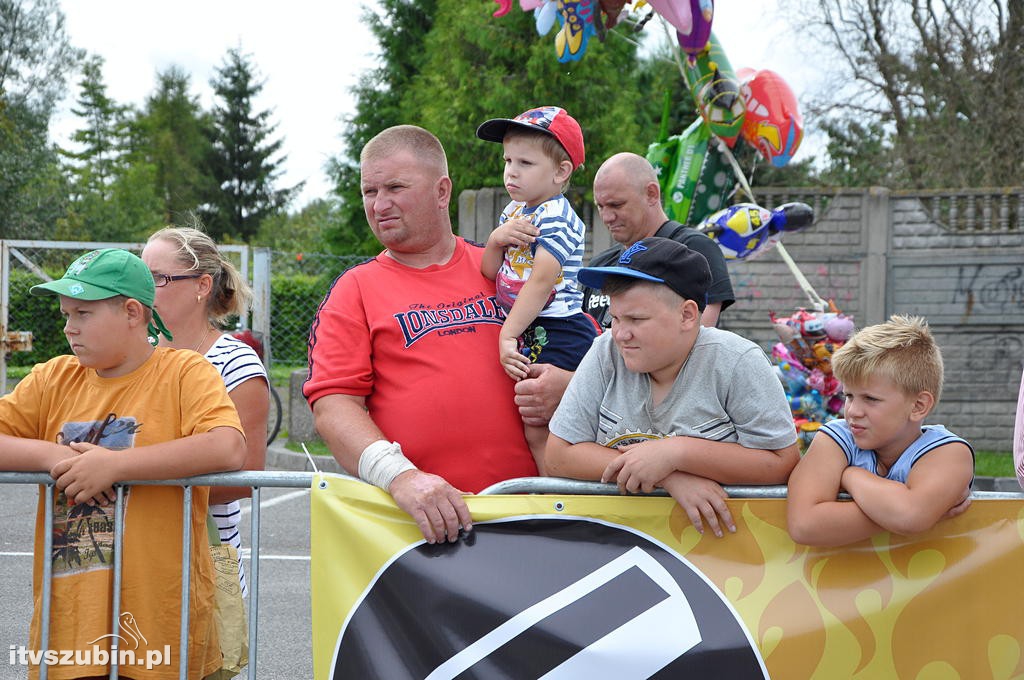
(990, 288)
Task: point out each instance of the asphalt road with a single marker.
(285, 648)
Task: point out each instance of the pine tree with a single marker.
(242, 159)
(94, 166)
(172, 134)
(111, 198)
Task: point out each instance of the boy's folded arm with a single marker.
(19, 454)
(733, 463)
(222, 449)
(814, 516)
(935, 484)
(585, 460)
(93, 469)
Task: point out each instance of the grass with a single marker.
(316, 448)
(993, 464)
(281, 374)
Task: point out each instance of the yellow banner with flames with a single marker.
(564, 586)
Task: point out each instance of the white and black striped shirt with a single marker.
(236, 362)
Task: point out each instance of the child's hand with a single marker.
(960, 507)
(88, 476)
(642, 466)
(518, 232)
(849, 479)
(515, 364)
(700, 496)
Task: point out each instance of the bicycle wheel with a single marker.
(274, 416)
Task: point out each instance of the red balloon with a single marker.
(773, 124)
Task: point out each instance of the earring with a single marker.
(199, 300)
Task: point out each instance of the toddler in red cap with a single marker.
(534, 253)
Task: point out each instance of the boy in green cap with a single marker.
(121, 409)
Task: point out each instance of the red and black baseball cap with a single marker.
(659, 260)
(549, 119)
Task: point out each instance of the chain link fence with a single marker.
(298, 282)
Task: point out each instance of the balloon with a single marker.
(675, 12)
(773, 124)
(812, 406)
(694, 42)
(746, 230)
(503, 7)
(806, 431)
(544, 16)
(613, 10)
(576, 17)
(716, 92)
(738, 229)
(695, 180)
(781, 352)
(527, 5)
(793, 376)
(839, 328)
(792, 216)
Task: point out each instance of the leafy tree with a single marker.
(32, 189)
(111, 199)
(924, 93)
(172, 135)
(449, 65)
(400, 29)
(300, 232)
(35, 54)
(35, 59)
(242, 161)
(487, 68)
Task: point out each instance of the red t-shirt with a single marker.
(422, 346)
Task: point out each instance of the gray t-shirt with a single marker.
(726, 391)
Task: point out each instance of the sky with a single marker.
(310, 54)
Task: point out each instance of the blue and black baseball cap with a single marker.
(658, 260)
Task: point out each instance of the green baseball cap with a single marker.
(104, 273)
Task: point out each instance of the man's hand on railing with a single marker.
(436, 506)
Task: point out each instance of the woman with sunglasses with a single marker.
(197, 290)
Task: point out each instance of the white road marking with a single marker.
(276, 500)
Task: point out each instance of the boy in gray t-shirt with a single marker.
(659, 401)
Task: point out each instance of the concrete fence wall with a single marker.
(956, 258)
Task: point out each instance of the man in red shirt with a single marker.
(404, 379)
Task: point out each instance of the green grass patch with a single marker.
(317, 448)
(993, 464)
(281, 374)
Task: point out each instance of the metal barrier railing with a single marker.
(276, 479)
(256, 480)
(560, 485)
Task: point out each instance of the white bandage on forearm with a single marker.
(381, 462)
